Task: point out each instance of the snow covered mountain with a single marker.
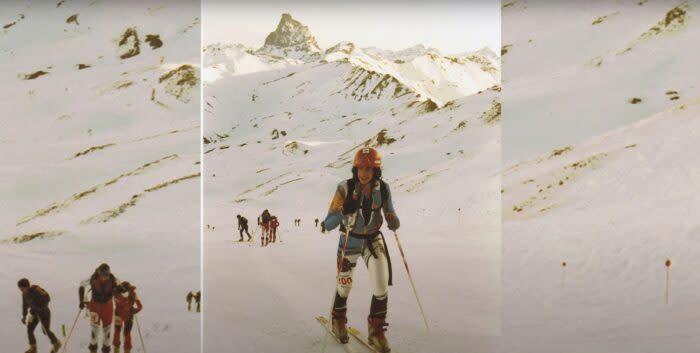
(589, 224)
(100, 159)
(423, 71)
(291, 39)
(283, 138)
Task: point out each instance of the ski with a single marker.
(358, 336)
(324, 322)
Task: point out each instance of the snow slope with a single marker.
(589, 223)
(282, 139)
(100, 160)
(573, 67)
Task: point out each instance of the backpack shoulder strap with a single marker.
(384, 192)
(351, 188)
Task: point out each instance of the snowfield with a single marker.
(600, 190)
(283, 137)
(100, 162)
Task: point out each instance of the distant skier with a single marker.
(127, 304)
(189, 301)
(198, 300)
(35, 302)
(243, 227)
(274, 224)
(316, 221)
(265, 223)
(103, 285)
(358, 204)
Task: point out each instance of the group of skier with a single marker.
(359, 208)
(266, 221)
(197, 299)
(111, 301)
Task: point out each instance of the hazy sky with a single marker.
(450, 26)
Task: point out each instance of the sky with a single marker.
(449, 26)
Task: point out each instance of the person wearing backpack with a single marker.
(243, 226)
(264, 221)
(357, 208)
(35, 302)
(127, 304)
(103, 285)
(274, 224)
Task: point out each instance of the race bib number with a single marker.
(345, 280)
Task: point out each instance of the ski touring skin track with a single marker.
(324, 322)
(351, 330)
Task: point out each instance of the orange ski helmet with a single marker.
(367, 158)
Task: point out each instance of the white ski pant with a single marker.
(106, 334)
(378, 268)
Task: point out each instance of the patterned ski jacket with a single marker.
(367, 219)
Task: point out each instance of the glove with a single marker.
(392, 222)
(24, 320)
(82, 305)
(323, 228)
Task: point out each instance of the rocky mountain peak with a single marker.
(292, 34)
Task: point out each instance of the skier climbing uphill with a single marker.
(127, 304)
(189, 300)
(274, 224)
(243, 226)
(357, 207)
(35, 302)
(103, 286)
(264, 221)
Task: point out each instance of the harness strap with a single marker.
(369, 239)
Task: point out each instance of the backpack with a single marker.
(382, 190)
(41, 297)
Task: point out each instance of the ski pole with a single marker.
(351, 220)
(413, 285)
(138, 327)
(65, 343)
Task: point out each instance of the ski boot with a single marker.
(92, 348)
(339, 321)
(32, 349)
(377, 327)
(56, 346)
(105, 349)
